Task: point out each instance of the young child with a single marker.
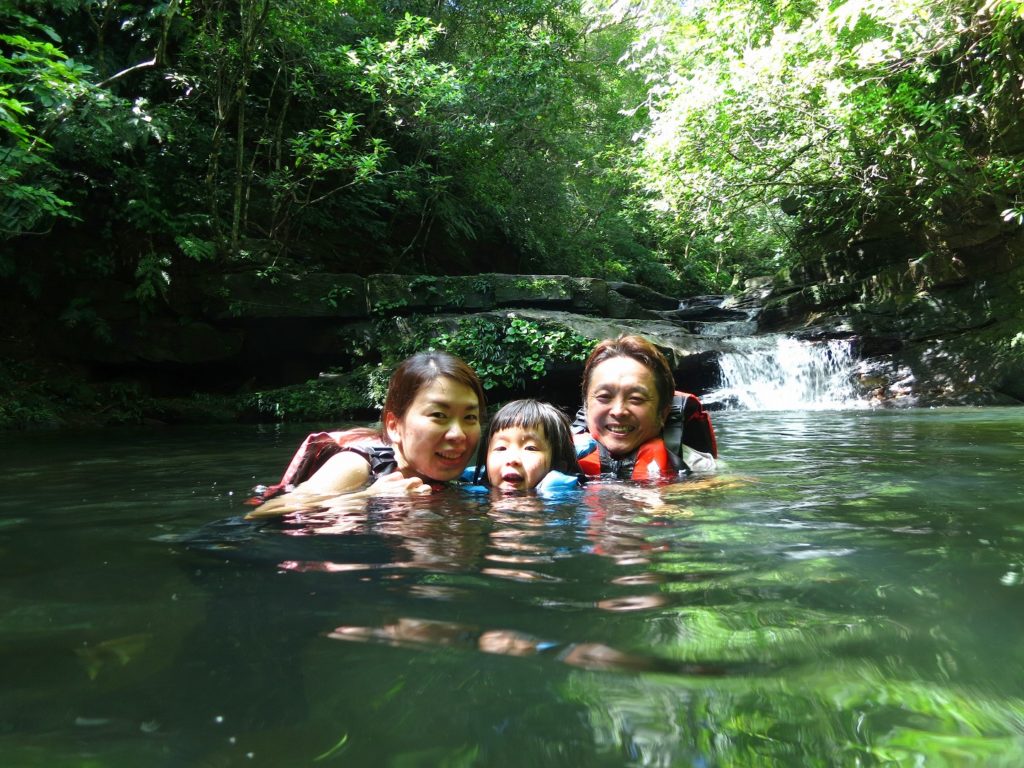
(528, 445)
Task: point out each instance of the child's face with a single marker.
(518, 458)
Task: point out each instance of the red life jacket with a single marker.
(689, 424)
(651, 460)
(314, 452)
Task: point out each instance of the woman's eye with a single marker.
(438, 415)
(473, 419)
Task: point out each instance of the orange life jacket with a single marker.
(651, 460)
(687, 424)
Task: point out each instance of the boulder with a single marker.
(705, 314)
(645, 297)
(589, 295)
(623, 307)
(531, 290)
(404, 294)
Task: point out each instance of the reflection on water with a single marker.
(848, 592)
(414, 632)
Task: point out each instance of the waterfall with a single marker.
(780, 373)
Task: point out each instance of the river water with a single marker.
(855, 596)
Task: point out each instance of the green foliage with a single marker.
(25, 402)
(80, 311)
(857, 110)
(152, 277)
(36, 396)
(28, 206)
(537, 284)
(538, 156)
(399, 90)
(388, 307)
(464, 137)
(680, 145)
(511, 352)
(324, 401)
(196, 248)
(507, 353)
(336, 296)
(36, 83)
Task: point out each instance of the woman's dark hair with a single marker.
(528, 414)
(641, 350)
(421, 370)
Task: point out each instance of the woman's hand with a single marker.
(299, 500)
(288, 503)
(397, 484)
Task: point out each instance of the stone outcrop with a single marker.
(694, 358)
(931, 329)
(294, 293)
(268, 328)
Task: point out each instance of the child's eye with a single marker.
(532, 448)
(496, 448)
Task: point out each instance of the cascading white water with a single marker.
(780, 373)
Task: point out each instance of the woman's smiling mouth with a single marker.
(450, 457)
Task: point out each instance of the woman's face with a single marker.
(518, 458)
(622, 405)
(438, 434)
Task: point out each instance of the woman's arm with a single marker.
(343, 473)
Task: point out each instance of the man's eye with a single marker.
(603, 398)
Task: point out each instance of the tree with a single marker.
(838, 113)
(38, 82)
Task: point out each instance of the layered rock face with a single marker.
(933, 327)
(251, 329)
(929, 330)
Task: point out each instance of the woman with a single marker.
(627, 395)
(430, 428)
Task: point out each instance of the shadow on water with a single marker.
(853, 598)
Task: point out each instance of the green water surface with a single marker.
(855, 598)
